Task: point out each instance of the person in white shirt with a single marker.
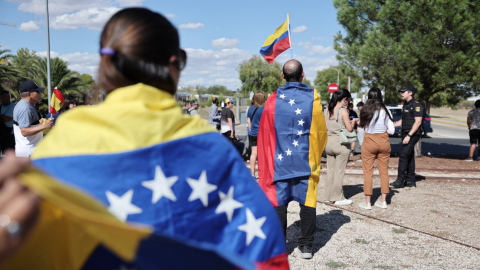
(377, 122)
(26, 121)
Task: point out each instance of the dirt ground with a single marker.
(446, 114)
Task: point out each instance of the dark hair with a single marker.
(292, 71)
(5, 92)
(477, 103)
(193, 102)
(143, 42)
(69, 99)
(337, 96)
(214, 100)
(360, 104)
(373, 104)
(350, 105)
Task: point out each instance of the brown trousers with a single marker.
(375, 146)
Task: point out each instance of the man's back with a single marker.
(475, 116)
(291, 139)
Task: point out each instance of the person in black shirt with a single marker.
(411, 122)
(352, 115)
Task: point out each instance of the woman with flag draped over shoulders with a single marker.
(200, 210)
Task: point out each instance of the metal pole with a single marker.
(338, 76)
(289, 36)
(49, 87)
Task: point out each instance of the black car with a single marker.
(397, 115)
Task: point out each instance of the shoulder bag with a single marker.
(346, 137)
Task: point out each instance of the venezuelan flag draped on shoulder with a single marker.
(137, 156)
(276, 43)
(291, 139)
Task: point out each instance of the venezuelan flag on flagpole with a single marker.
(277, 43)
(124, 162)
(57, 98)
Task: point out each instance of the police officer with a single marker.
(411, 122)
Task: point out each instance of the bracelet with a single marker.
(409, 135)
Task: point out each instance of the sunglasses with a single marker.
(181, 60)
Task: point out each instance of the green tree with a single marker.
(307, 82)
(330, 75)
(8, 74)
(432, 45)
(256, 74)
(67, 81)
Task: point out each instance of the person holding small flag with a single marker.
(291, 138)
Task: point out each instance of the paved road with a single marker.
(446, 139)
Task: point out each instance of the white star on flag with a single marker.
(201, 188)
(282, 96)
(280, 156)
(253, 227)
(300, 122)
(292, 101)
(298, 111)
(299, 133)
(227, 204)
(295, 143)
(161, 185)
(289, 153)
(121, 206)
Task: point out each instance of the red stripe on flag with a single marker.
(279, 262)
(266, 149)
(278, 48)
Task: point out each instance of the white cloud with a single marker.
(5, 47)
(169, 15)
(316, 49)
(60, 7)
(225, 43)
(300, 29)
(191, 25)
(93, 18)
(29, 26)
(79, 62)
(318, 38)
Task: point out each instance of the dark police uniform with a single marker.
(406, 163)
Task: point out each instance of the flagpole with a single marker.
(49, 83)
(289, 36)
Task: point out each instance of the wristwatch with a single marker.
(409, 135)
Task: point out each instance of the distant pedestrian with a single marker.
(411, 122)
(213, 114)
(87, 99)
(227, 128)
(360, 131)
(352, 115)
(337, 153)
(26, 121)
(194, 107)
(253, 125)
(186, 107)
(473, 122)
(70, 103)
(7, 138)
(377, 121)
(252, 106)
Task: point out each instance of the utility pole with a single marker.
(49, 81)
(338, 76)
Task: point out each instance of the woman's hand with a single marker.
(18, 205)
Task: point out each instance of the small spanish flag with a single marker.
(57, 97)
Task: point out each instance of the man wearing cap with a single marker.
(26, 121)
(227, 120)
(412, 119)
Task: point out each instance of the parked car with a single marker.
(396, 111)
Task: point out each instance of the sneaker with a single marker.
(381, 204)
(468, 159)
(399, 183)
(359, 160)
(478, 158)
(343, 202)
(365, 205)
(411, 184)
(306, 252)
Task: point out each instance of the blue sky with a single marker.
(217, 35)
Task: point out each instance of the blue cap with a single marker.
(29, 86)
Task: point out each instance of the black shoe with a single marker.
(306, 252)
(398, 184)
(411, 184)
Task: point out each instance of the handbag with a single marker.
(346, 137)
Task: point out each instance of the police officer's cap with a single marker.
(408, 88)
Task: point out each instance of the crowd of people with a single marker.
(287, 132)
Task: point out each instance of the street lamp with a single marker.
(338, 76)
